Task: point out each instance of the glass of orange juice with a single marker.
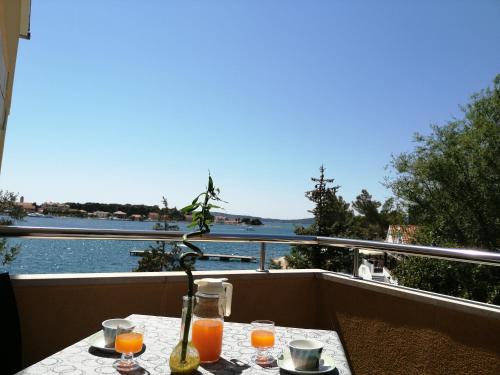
(262, 339)
(128, 342)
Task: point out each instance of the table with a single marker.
(163, 333)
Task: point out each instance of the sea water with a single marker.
(83, 255)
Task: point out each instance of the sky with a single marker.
(127, 101)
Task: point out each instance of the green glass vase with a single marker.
(185, 361)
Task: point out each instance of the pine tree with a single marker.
(321, 195)
(332, 217)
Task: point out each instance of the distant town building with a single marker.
(55, 207)
(99, 214)
(401, 234)
(226, 220)
(153, 216)
(120, 214)
(26, 206)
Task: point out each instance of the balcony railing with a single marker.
(386, 329)
(462, 255)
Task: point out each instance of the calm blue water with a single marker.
(73, 256)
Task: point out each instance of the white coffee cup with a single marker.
(109, 328)
(305, 354)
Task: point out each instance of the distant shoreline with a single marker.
(304, 221)
(264, 220)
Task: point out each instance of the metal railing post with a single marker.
(262, 258)
(355, 266)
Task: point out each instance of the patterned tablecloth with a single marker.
(163, 333)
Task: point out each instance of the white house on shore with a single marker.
(120, 215)
(100, 214)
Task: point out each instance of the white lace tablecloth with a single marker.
(162, 334)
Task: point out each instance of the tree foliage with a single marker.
(252, 221)
(366, 206)
(173, 214)
(334, 217)
(450, 185)
(163, 256)
(373, 218)
(12, 211)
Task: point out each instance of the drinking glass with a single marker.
(128, 342)
(262, 339)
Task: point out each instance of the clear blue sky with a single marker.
(126, 101)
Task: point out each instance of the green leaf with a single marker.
(210, 183)
(195, 200)
(187, 208)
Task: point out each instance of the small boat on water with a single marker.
(37, 214)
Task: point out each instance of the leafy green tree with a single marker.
(392, 212)
(450, 185)
(130, 209)
(332, 217)
(12, 211)
(165, 215)
(366, 206)
(175, 214)
(368, 223)
(372, 222)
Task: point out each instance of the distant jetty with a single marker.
(221, 257)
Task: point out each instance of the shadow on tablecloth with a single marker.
(107, 354)
(334, 371)
(224, 366)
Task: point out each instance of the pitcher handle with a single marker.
(228, 292)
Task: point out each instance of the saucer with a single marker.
(326, 364)
(97, 341)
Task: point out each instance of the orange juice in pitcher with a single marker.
(212, 303)
(207, 338)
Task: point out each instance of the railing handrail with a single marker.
(463, 255)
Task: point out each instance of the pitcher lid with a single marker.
(210, 285)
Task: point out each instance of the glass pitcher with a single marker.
(212, 303)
